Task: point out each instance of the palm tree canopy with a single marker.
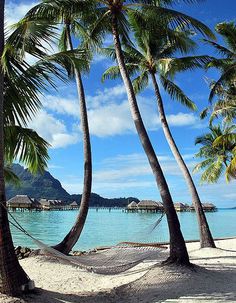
(218, 149)
(24, 84)
(227, 63)
(154, 53)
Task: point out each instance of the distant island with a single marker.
(47, 187)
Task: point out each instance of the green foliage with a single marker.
(218, 149)
(154, 54)
(10, 177)
(226, 64)
(27, 146)
(24, 84)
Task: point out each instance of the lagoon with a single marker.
(104, 227)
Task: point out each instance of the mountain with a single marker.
(47, 187)
(36, 186)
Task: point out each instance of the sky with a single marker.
(120, 167)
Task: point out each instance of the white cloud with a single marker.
(15, 10)
(66, 106)
(109, 112)
(53, 130)
(110, 120)
(112, 95)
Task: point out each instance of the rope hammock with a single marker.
(114, 260)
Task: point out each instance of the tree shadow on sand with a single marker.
(172, 283)
(158, 285)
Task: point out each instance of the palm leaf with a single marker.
(140, 82)
(221, 49)
(177, 94)
(176, 19)
(225, 78)
(10, 176)
(26, 146)
(213, 171)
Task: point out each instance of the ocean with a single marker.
(104, 227)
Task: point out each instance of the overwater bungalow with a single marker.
(206, 207)
(150, 206)
(52, 204)
(23, 202)
(209, 207)
(74, 205)
(132, 207)
(180, 206)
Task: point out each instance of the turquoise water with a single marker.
(107, 228)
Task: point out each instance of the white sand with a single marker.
(213, 281)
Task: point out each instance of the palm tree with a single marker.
(153, 56)
(68, 14)
(113, 18)
(227, 64)
(11, 273)
(219, 150)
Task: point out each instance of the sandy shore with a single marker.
(213, 280)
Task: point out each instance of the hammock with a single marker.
(116, 259)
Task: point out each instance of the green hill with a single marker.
(47, 187)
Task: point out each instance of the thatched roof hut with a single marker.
(208, 207)
(132, 205)
(22, 201)
(51, 204)
(180, 206)
(150, 205)
(74, 205)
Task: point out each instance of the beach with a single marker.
(213, 279)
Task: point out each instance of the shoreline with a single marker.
(214, 279)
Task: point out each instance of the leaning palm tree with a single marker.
(12, 275)
(152, 57)
(218, 151)
(68, 14)
(112, 17)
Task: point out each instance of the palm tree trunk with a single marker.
(72, 237)
(178, 251)
(12, 276)
(206, 239)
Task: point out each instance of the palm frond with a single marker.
(225, 78)
(112, 73)
(226, 140)
(182, 64)
(26, 146)
(10, 177)
(176, 19)
(140, 82)
(213, 172)
(204, 113)
(231, 170)
(176, 93)
(228, 31)
(220, 49)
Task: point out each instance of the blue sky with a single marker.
(120, 168)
